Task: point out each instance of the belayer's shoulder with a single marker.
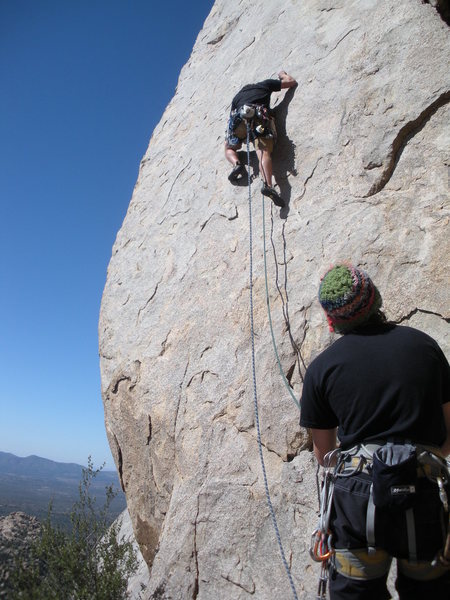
(411, 334)
(323, 357)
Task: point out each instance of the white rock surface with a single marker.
(363, 158)
(138, 582)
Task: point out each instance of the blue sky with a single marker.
(83, 84)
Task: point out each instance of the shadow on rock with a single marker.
(284, 153)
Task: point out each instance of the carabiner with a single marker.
(320, 548)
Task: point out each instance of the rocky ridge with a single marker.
(363, 161)
(17, 532)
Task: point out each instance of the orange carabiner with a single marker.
(320, 548)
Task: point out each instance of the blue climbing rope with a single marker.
(255, 395)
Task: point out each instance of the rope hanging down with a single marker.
(255, 396)
(286, 382)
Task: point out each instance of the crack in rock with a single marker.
(147, 303)
(222, 31)
(149, 437)
(247, 432)
(205, 350)
(164, 344)
(250, 591)
(172, 216)
(404, 135)
(202, 376)
(244, 49)
(341, 40)
(195, 554)
(423, 311)
(232, 218)
(310, 176)
(175, 180)
(119, 462)
(177, 408)
(119, 380)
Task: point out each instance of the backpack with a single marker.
(408, 507)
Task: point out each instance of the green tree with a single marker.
(89, 562)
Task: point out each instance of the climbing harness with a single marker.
(394, 470)
(255, 395)
(247, 112)
(255, 115)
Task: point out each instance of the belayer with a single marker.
(384, 391)
(252, 105)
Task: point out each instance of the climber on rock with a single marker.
(384, 391)
(252, 104)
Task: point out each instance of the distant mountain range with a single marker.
(30, 484)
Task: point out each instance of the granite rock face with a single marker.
(363, 159)
(138, 582)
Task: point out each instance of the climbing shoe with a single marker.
(272, 194)
(238, 172)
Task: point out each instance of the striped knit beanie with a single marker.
(348, 297)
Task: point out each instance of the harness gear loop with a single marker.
(255, 396)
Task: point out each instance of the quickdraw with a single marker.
(321, 547)
(322, 551)
(323, 581)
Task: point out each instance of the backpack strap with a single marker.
(411, 533)
(370, 523)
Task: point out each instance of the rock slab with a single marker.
(363, 160)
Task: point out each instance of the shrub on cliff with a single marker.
(88, 563)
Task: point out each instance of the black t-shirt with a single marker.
(384, 383)
(256, 93)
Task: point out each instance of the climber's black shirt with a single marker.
(383, 383)
(256, 93)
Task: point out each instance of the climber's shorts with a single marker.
(267, 143)
(235, 137)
